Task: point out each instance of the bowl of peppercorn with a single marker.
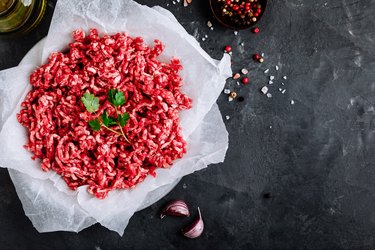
(238, 14)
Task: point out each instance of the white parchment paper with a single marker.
(45, 197)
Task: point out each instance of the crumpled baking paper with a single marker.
(46, 199)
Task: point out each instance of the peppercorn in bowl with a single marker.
(238, 14)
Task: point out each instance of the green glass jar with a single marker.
(18, 17)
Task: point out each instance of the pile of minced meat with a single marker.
(57, 121)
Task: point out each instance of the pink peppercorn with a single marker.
(256, 30)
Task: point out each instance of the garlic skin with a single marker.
(175, 208)
(195, 229)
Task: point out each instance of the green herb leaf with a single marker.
(123, 119)
(95, 124)
(108, 121)
(91, 102)
(116, 97)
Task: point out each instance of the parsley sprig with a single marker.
(116, 98)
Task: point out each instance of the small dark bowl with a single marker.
(226, 22)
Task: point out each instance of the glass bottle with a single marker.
(18, 17)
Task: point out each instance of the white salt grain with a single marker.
(264, 90)
(284, 77)
(269, 95)
(292, 102)
(242, 44)
(235, 32)
(272, 77)
(277, 67)
(227, 91)
(283, 92)
(203, 39)
(244, 71)
(270, 82)
(227, 117)
(209, 24)
(266, 71)
(230, 99)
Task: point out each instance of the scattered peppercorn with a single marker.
(256, 57)
(256, 30)
(240, 99)
(267, 195)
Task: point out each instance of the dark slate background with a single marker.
(315, 158)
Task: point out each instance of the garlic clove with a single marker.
(175, 208)
(195, 229)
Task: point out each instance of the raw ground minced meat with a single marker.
(57, 121)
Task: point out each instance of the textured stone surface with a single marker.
(315, 157)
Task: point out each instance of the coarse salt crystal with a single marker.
(235, 32)
(272, 77)
(203, 39)
(244, 71)
(212, 28)
(227, 117)
(230, 99)
(242, 44)
(236, 76)
(282, 83)
(209, 24)
(270, 82)
(284, 77)
(283, 92)
(264, 90)
(292, 102)
(262, 54)
(269, 95)
(227, 91)
(206, 36)
(266, 71)
(277, 67)
(280, 89)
